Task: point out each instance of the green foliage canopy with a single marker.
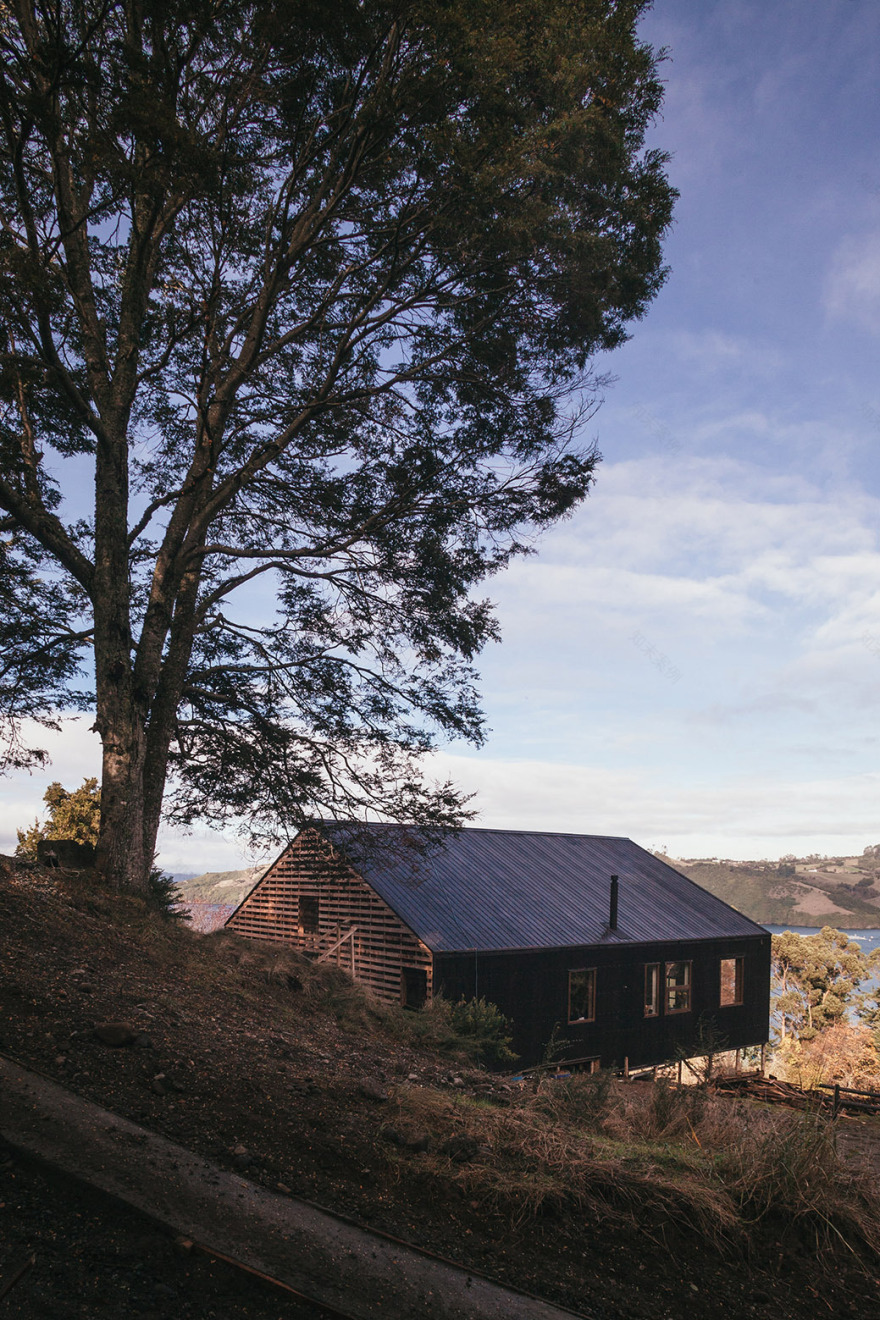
(486, 1028)
(312, 292)
(815, 980)
(72, 815)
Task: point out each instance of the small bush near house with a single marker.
(583, 1098)
(485, 1030)
(163, 895)
(473, 1029)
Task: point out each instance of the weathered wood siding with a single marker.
(311, 869)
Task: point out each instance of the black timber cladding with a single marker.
(497, 890)
(530, 989)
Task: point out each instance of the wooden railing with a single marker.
(868, 1103)
(349, 935)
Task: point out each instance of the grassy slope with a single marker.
(747, 891)
(352, 1103)
(227, 887)
(772, 899)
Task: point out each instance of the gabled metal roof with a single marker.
(516, 889)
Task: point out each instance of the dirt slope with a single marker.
(264, 1064)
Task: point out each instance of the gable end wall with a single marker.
(311, 868)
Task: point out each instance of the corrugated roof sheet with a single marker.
(516, 889)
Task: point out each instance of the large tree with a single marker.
(815, 981)
(298, 307)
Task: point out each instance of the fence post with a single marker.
(836, 1100)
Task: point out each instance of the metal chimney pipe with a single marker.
(612, 919)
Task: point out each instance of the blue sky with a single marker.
(693, 659)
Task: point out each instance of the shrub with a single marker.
(72, 815)
(163, 895)
(842, 1053)
(583, 1098)
(486, 1030)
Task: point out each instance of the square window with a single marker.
(652, 989)
(731, 981)
(309, 916)
(678, 987)
(582, 995)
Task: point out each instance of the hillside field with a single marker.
(620, 1200)
(839, 891)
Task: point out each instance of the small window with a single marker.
(582, 995)
(413, 987)
(731, 981)
(309, 918)
(652, 989)
(678, 987)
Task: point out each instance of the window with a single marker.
(582, 995)
(731, 981)
(678, 987)
(413, 987)
(652, 989)
(308, 916)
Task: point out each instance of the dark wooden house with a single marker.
(632, 960)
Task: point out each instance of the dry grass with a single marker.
(730, 1171)
(721, 1168)
(844, 1053)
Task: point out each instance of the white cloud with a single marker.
(753, 816)
(753, 593)
(852, 287)
(75, 755)
(202, 850)
(719, 552)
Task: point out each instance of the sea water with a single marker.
(867, 939)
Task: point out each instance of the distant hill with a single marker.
(214, 896)
(840, 891)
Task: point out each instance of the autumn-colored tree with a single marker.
(72, 815)
(844, 1053)
(815, 980)
(869, 1001)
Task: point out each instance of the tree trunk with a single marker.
(121, 709)
(166, 700)
(121, 854)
